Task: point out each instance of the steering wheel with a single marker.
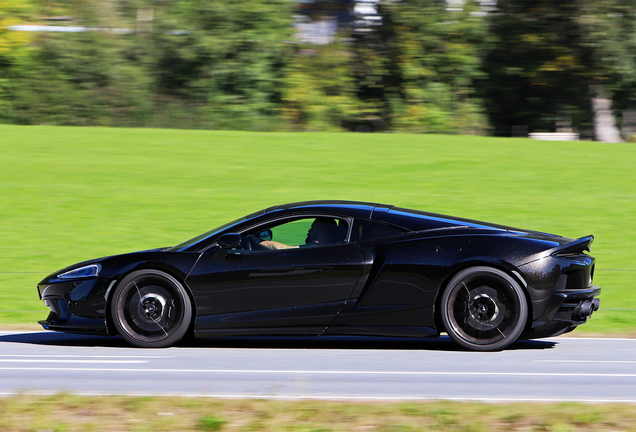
(251, 242)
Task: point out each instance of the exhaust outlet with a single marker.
(586, 309)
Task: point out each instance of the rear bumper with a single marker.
(565, 311)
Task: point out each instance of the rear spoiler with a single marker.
(576, 246)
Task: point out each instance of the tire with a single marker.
(484, 309)
(151, 309)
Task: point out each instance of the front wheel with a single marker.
(151, 309)
(484, 309)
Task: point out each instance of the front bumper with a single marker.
(75, 306)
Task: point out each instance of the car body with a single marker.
(380, 271)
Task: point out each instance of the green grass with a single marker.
(127, 413)
(70, 194)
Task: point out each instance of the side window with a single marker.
(293, 233)
(364, 230)
(296, 233)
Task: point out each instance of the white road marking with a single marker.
(81, 356)
(588, 338)
(585, 361)
(15, 332)
(327, 397)
(336, 372)
(45, 360)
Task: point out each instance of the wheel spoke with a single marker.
(159, 325)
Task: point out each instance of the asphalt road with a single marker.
(560, 369)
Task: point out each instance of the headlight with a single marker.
(81, 272)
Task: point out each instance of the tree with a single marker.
(417, 71)
(320, 89)
(549, 59)
(13, 48)
(229, 58)
(610, 34)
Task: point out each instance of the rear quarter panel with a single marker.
(411, 272)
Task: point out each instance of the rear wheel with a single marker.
(151, 309)
(484, 309)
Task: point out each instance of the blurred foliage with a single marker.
(13, 47)
(320, 91)
(189, 64)
(238, 65)
(231, 62)
(548, 59)
(84, 78)
(211, 423)
(80, 79)
(609, 29)
(64, 412)
(221, 65)
(12, 43)
(422, 64)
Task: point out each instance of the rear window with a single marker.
(364, 230)
(415, 220)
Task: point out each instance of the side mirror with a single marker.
(229, 241)
(225, 242)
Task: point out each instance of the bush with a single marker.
(211, 423)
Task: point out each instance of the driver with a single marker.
(323, 231)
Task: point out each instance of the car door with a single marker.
(296, 287)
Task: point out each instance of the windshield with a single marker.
(215, 231)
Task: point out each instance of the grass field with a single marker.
(122, 413)
(70, 194)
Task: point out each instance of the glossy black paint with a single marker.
(387, 286)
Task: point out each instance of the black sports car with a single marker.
(335, 268)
